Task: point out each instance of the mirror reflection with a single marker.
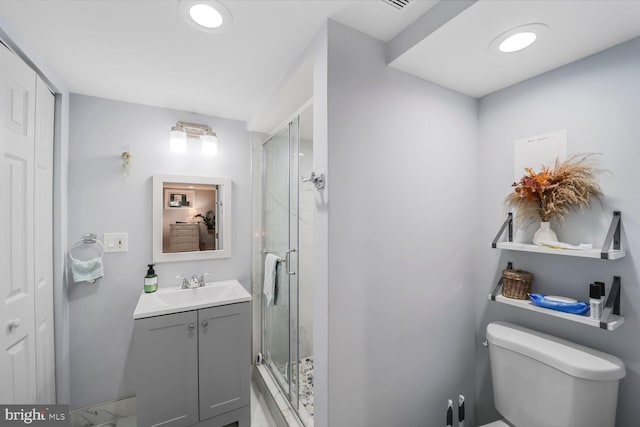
(189, 217)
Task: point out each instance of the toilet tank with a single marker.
(543, 381)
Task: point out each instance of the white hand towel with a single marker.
(87, 271)
(269, 285)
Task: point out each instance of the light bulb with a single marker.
(205, 15)
(517, 42)
(178, 141)
(209, 144)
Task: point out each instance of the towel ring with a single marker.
(90, 240)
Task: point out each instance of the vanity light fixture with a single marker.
(206, 15)
(178, 140)
(182, 130)
(209, 144)
(518, 38)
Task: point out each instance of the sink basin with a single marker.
(175, 300)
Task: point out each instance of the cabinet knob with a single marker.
(191, 326)
(205, 324)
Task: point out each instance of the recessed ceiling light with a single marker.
(206, 15)
(517, 42)
(518, 38)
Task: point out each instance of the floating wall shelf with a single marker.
(610, 319)
(606, 252)
(589, 253)
(613, 323)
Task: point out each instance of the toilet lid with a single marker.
(499, 423)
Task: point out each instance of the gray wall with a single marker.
(597, 100)
(101, 322)
(402, 166)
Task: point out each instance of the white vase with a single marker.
(544, 234)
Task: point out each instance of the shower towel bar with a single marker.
(264, 252)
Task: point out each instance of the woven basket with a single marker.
(516, 284)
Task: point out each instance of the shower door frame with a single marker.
(290, 385)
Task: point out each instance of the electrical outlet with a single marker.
(116, 242)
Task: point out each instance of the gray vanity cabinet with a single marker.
(167, 370)
(225, 359)
(193, 368)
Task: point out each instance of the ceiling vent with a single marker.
(398, 4)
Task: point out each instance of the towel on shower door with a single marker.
(269, 285)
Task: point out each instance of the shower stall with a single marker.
(287, 232)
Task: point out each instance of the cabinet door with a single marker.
(167, 370)
(225, 358)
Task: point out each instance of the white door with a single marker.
(27, 360)
(43, 244)
(17, 322)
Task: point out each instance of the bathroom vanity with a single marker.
(193, 356)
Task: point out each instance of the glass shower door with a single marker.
(280, 237)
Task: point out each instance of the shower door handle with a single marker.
(288, 259)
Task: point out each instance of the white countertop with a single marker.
(175, 300)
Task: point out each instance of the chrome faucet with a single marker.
(195, 282)
(201, 279)
(185, 282)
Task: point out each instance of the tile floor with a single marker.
(260, 415)
(123, 413)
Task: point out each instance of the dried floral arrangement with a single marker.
(552, 193)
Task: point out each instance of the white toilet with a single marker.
(543, 381)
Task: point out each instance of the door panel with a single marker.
(292, 264)
(17, 342)
(20, 98)
(45, 362)
(167, 397)
(281, 178)
(21, 375)
(276, 207)
(225, 358)
(43, 244)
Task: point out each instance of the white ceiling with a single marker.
(142, 51)
(457, 55)
(380, 20)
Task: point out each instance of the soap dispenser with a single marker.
(150, 280)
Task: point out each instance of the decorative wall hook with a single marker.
(126, 162)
